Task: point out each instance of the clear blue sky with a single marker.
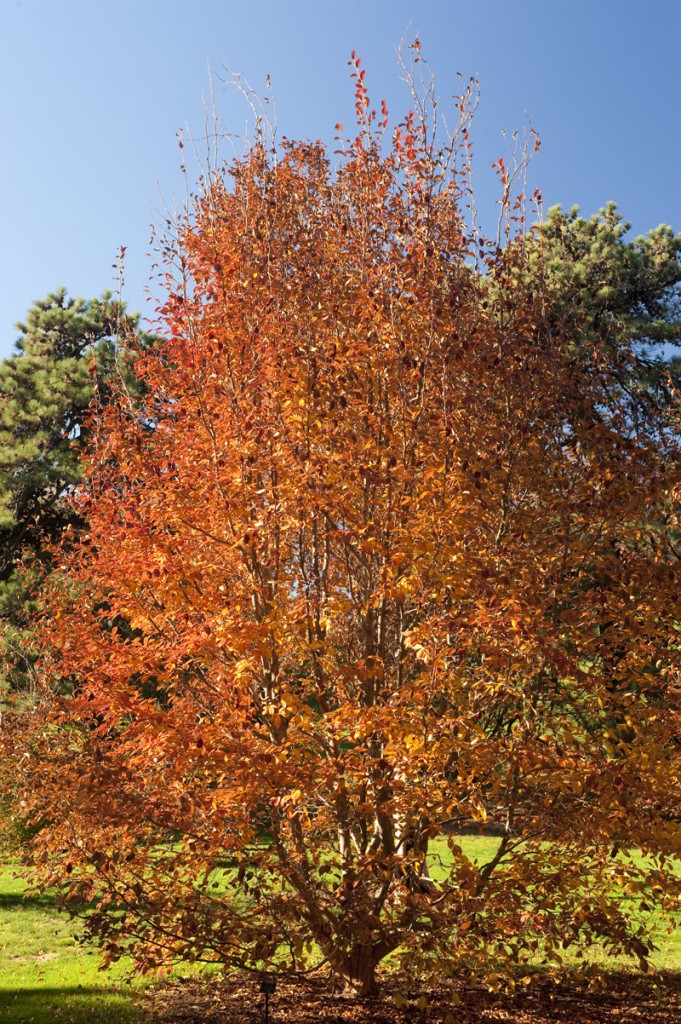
(92, 95)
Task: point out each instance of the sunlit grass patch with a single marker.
(47, 974)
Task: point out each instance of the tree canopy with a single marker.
(623, 294)
(375, 558)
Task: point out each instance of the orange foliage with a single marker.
(382, 555)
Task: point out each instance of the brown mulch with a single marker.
(621, 999)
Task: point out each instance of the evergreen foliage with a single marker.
(625, 296)
(65, 354)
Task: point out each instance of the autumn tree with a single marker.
(342, 594)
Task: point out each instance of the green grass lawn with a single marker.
(46, 975)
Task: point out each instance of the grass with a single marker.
(47, 976)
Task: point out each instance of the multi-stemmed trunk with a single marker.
(357, 966)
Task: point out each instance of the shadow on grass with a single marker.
(48, 992)
(17, 901)
(73, 1003)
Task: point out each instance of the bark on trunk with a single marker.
(359, 973)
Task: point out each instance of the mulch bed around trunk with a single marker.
(620, 999)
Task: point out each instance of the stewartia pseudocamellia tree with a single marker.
(376, 557)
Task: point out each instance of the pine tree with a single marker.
(65, 354)
(623, 297)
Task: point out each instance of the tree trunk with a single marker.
(359, 972)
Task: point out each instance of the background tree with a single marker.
(65, 358)
(622, 297)
(337, 598)
(621, 301)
